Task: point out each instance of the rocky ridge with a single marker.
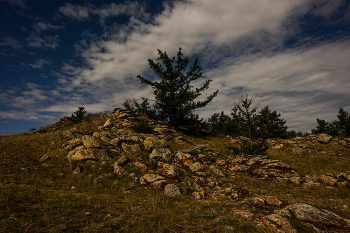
(147, 159)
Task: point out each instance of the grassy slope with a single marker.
(37, 197)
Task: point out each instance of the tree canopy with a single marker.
(174, 94)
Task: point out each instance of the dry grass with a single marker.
(38, 197)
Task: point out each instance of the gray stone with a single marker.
(171, 190)
(308, 213)
(44, 158)
(122, 161)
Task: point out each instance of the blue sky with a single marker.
(58, 55)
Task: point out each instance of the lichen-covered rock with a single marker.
(277, 223)
(328, 180)
(79, 154)
(216, 171)
(323, 138)
(198, 195)
(90, 142)
(44, 158)
(239, 168)
(75, 142)
(118, 170)
(171, 190)
(152, 143)
(185, 158)
(195, 167)
(141, 166)
(167, 169)
(273, 201)
(308, 213)
(161, 155)
(150, 178)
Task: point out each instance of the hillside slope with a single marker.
(102, 176)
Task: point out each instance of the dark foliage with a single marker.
(270, 125)
(174, 95)
(255, 147)
(78, 115)
(339, 127)
(143, 127)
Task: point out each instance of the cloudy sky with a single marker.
(58, 55)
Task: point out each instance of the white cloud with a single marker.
(39, 63)
(37, 41)
(9, 41)
(20, 3)
(240, 45)
(41, 26)
(81, 13)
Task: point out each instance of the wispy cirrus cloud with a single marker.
(10, 41)
(39, 63)
(41, 26)
(45, 41)
(81, 13)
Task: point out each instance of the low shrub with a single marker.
(143, 127)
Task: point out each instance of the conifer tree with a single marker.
(174, 95)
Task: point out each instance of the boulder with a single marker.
(323, 138)
(171, 190)
(216, 171)
(308, 213)
(79, 154)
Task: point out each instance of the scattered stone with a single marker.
(150, 178)
(171, 190)
(103, 178)
(328, 180)
(118, 170)
(216, 171)
(195, 167)
(198, 195)
(44, 158)
(79, 169)
(122, 161)
(277, 223)
(141, 166)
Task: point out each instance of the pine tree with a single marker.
(174, 95)
(78, 115)
(270, 125)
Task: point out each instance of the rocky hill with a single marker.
(179, 166)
